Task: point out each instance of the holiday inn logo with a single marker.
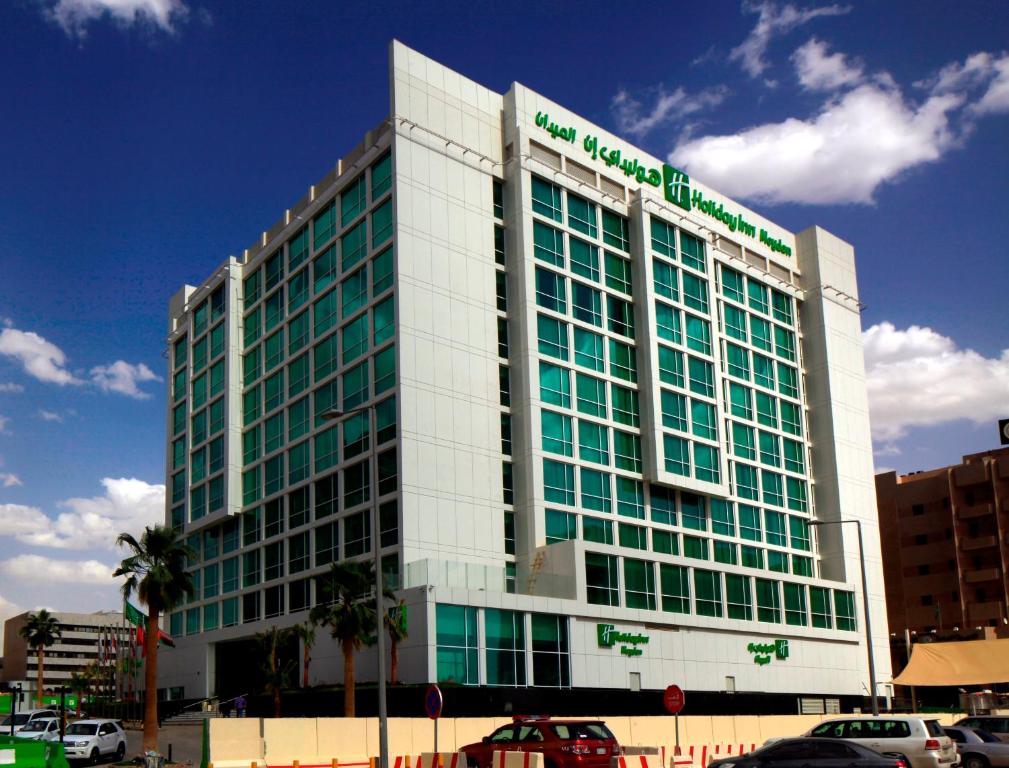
(676, 185)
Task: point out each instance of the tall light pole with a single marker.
(335, 414)
(865, 608)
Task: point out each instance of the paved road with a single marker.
(185, 742)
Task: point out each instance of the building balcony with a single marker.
(981, 613)
(979, 542)
(983, 574)
(976, 511)
(970, 474)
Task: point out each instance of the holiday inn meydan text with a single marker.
(596, 403)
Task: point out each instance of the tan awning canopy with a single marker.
(971, 662)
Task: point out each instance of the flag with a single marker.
(135, 617)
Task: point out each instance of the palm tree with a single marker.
(306, 634)
(348, 610)
(79, 684)
(395, 625)
(41, 630)
(156, 571)
(277, 671)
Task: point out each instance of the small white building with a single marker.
(609, 401)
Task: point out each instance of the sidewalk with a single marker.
(185, 742)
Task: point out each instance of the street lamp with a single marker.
(865, 608)
(335, 414)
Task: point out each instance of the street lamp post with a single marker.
(865, 608)
(335, 414)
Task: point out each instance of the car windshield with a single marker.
(18, 720)
(82, 729)
(36, 725)
(987, 737)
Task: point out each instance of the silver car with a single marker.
(48, 729)
(978, 748)
(918, 740)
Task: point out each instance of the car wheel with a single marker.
(974, 761)
(95, 754)
(120, 751)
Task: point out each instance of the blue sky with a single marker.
(143, 141)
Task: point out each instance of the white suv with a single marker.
(91, 739)
(920, 741)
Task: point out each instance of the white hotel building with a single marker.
(604, 394)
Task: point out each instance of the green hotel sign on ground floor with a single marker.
(608, 637)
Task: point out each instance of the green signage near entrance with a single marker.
(607, 636)
(674, 182)
(764, 652)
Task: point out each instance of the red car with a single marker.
(563, 743)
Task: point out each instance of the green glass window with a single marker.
(694, 511)
(551, 665)
(784, 343)
(622, 362)
(297, 376)
(199, 427)
(555, 385)
(695, 292)
(639, 584)
(774, 525)
(593, 442)
(616, 231)
(749, 523)
(618, 273)
(625, 405)
(738, 600)
(791, 418)
(582, 215)
(770, 449)
(550, 291)
(324, 313)
(666, 542)
(788, 381)
(698, 334)
(767, 410)
(627, 451)
(584, 258)
(732, 284)
(737, 361)
(763, 371)
(796, 494)
(252, 367)
(353, 246)
(601, 579)
(599, 531)
(707, 592)
(251, 492)
(381, 272)
(297, 250)
(632, 536)
(354, 339)
(216, 378)
(298, 467)
(740, 403)
(324, 268)
(663, 504)
(772, 487)
(630, 498)
(735, 322)
(757, 295)
(273, 350)
(674, 410)
(200, 319)
(381, 177)
(178, 418)
(298, 419)
(381, 224)
(505, 637)
(297, 290)
(355, 386)
(591, 395)
(777, 561)
(323, 225)
(216, 416)
(200, 355)
(703, 420)
(742, 441)
(674, 581)
(722, 521)
(354, 292)
(596, 494)
(548, 244)
(819, 607)
(671, 366)
(782, 306)
(497, 190)
(558, 482)
(553, 337)
(586, 303)
(761, 332)
(252, 290)
(353, 201)
(217, 303)
(197, 503)
(273, 474)
(724, 552)
(589, 348)
(199, 391)
(251, 442)
(457, 651)
(795, 604)
(198, 465)
(768, 601)
(802, 566)
(251, 406)
(560, 526)
(746, 481)
(663, 237)
(557, 432)
(692, 252)
(844, 610)
(702, 376)
(752, 557)
(706, 463)
(273, 391)
(546, 199)
(667, 323)
(621, 316)
(297, 331)
(383, 321)
(677, 455)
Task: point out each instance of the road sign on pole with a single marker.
(433, 702)
(673, 700)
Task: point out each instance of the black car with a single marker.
(813, 752)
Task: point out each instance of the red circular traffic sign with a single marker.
(673, 699)
(433, 702)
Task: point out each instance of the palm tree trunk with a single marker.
(41, 665)
(308, 659)
(394, 661)
(348, 678)
(151, 682)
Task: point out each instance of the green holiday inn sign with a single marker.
(764, 652)
(608, 637)
(674, 182)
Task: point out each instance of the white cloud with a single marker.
(40, 358)
(8, 480)
(634, 121)
(978, 71)
(49, 415)
(4, 421)
(857, 142)
(127, 505)
(820, 71)
(28, 567)
(7, 610)
(11, 387)
(74, 16)
(774, 21)
(917, 378)
(122, 377)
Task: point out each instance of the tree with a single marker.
(395, 625)
(80, 685)
(347, 608)
(306, 634)
(276, 670)
(156, 571)
(40, 631)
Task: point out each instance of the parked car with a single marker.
(978, 748)
(92, 739)
(25, 716)
(43, 729)
(812, 752)
(563, 743)
(996, 725)
(919, 741)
